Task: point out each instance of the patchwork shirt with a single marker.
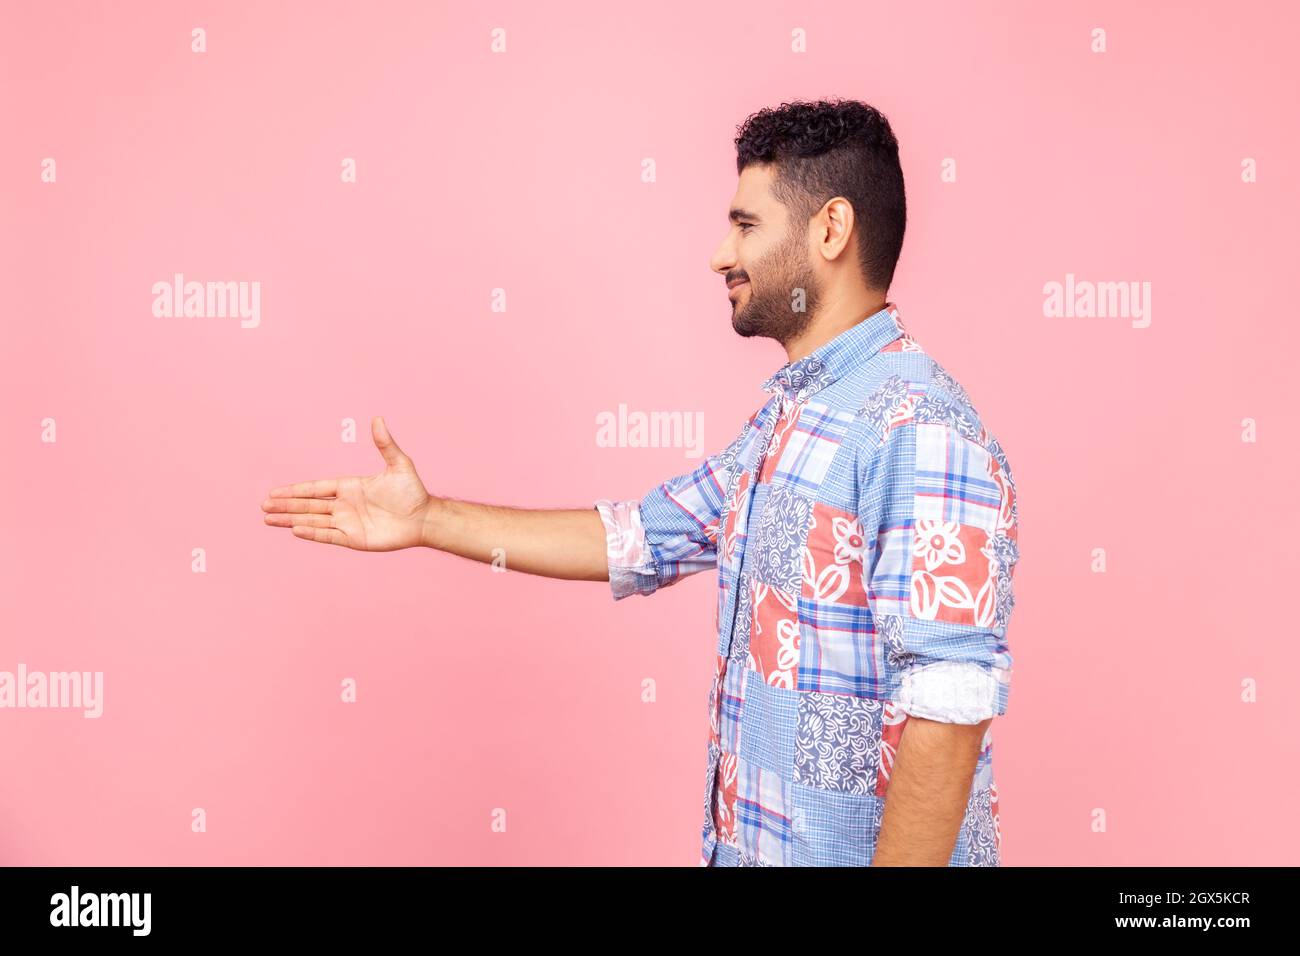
(863, 526)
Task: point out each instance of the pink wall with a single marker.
(521, 170)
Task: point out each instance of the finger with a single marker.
(321, 488)
(384, 441)
(322, 535)
(318, 506)
(294, 521)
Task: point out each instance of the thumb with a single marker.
(384, 441)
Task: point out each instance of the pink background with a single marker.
(522, 171)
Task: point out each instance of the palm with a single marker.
(382, 512)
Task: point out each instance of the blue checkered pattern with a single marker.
(811, 447)
(863, 527)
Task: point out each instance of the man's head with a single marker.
(818, 214)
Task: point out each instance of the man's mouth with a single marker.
(736, 284)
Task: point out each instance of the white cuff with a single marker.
(955, 692)
(631, 565)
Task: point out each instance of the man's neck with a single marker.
(832, 322)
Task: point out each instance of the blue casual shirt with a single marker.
(863, 526)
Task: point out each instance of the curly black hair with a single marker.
(832, 148)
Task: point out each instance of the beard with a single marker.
(763, 307)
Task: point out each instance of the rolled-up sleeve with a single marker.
(939, 568)
(671, 532)
(631, 568)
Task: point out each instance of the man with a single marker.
(863, 525)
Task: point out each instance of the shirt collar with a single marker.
(855, 345)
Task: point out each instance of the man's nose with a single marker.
(722, 260)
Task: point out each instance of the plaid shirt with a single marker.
(863, 525)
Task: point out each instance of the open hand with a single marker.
(383, 512)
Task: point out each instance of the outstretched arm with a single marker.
(393, 510)
(559, 543)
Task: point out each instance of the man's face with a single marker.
(764, 259)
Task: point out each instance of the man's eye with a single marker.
(745, 225)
